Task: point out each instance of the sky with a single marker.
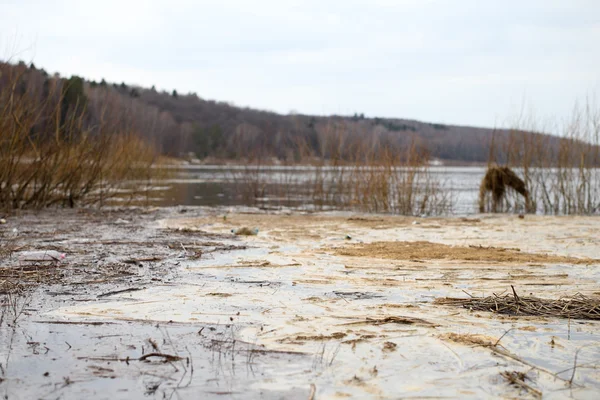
(467, 62)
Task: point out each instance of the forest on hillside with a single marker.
(185, 125)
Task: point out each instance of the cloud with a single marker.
(450, 61)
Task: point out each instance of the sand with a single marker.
(340, 305)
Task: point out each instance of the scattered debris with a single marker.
(41, 256)
(393, 320)
(577, 306)
(165, 358)
(336, 335)
(517, 379)
(470, 220)
(362, 219)
(93, 323)
(357, 295)
(470, 339)
(119, 292)
(245, 231)
(143, 259)
(389, 347)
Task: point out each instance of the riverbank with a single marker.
(168, 301)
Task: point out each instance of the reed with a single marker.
(561, 171)
(350, 173)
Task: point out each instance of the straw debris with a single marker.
(517, 379)
(577, 306)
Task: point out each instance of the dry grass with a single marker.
(360, 175)
(561, 175)
(496, 181)
(517, 379)
(421, 250)
(577, 306)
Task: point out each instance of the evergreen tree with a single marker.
(73, 96)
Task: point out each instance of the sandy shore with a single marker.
(322, 305)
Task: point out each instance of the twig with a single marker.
(75, 322)
(518, 379)
(313, 391)
(119, 292)
(515, 293)
(574, 367)
(166, 357)
(500, 338)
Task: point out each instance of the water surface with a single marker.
(279, 186)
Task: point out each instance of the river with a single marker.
(279, 186)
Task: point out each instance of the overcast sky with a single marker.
(470, 62)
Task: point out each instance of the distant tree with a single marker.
(32, 66)
(220, 129)
(73, 91)
(46, 88)
(439, 126)
(73, 96)
(207, 141)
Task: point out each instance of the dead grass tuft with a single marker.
(422, 250)
(470, 339)
(577, 306)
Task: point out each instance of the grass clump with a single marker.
(577, 306)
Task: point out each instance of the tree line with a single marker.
(179, 124)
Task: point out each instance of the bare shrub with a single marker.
(351, 174)
(51, 155)
(561, 172)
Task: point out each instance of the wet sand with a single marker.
(331, 305)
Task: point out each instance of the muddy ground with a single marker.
(168, 303)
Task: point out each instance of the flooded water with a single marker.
(277, 186)
(168, 303)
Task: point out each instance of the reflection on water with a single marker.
(277, 186)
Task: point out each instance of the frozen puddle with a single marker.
(368, 325)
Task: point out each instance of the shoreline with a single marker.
(341, 301)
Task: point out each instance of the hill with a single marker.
(179, 124)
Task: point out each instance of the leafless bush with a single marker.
(370, 177)
(49, 156)
(561, 172)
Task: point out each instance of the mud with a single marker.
(168, 303)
